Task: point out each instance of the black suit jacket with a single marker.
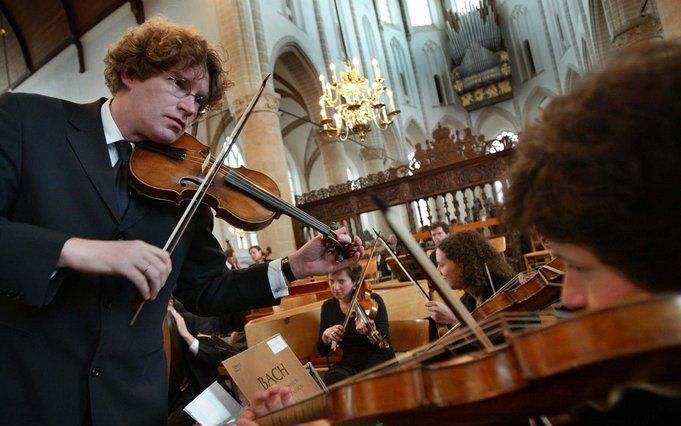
(65, 340)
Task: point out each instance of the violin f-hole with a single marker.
(187, 179)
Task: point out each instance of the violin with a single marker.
(536, 293)
(366, 309)
(363, 306)
(544, 371)
(245, 198)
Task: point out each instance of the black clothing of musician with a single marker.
(358, 352)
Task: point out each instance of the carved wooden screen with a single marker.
(465, 186)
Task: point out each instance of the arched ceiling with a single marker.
(37, 30)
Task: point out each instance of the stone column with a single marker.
(333, 157)
(261, 140)
(264, 152)
(626, 24)
(372, 157)
(670, 15)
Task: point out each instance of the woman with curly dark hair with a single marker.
(467, 262)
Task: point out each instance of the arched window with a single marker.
(524, 43)
(531, 68)
(501, 141)
(244, 239)
(413, 164)
(384, 11)
(440, 92)
(437, 67)
(419, 13)
(234, 158)
(402, 69)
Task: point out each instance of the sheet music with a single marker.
(214, 406)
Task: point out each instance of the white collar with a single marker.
(111, 131)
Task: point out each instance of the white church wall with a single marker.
(60, 77)
(317, 178)
(354, 161)
(525, 20)
(493, 121)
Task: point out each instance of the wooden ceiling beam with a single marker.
(75, 37)
(137, 8)
(20, 37)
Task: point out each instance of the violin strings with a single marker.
(281, 204)
(399, 263)
(429, 350)
(265, 196)
(493, 321)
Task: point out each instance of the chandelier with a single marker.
(355, 102)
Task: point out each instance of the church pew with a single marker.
(408, 334)
(295, 301)
(311, 285)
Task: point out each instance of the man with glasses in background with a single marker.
(77, 248)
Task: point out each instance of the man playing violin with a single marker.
(597, 176)
(359, 353)
(77, 249)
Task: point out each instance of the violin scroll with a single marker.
(340, 250)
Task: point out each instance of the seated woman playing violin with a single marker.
(359, 353)
(464, 260)
(596, 175)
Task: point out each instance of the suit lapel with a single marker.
(86, 136)
(137, 209)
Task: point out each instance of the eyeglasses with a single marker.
(179, 87)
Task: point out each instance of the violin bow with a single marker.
(448, 295)
(206, 183)
(399, 263)
(356, 293)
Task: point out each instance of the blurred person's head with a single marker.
(596, 175)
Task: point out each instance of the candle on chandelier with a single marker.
(390, 98)
(337, 120)
(332, 68)
(377, 70)
(322, 104)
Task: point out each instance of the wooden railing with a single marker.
(450, 192)
(454, 193)
(458, 179)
